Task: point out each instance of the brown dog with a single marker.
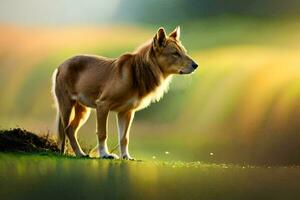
(124, 85)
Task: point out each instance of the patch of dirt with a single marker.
(18, 140)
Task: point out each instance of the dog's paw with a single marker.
(127, 157)
(110, 156)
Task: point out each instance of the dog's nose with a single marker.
(194, 65)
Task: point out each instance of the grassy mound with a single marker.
(18, 140)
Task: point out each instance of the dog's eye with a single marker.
(176, 54)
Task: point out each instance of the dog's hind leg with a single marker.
(81, 114)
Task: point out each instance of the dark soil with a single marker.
(18, 140)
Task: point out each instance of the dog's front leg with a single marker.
(102, 114)
(124, 123)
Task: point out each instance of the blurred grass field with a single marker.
(51, 177)
(241, 106)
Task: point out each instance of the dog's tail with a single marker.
(59, 126)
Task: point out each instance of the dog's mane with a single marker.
(146, 73)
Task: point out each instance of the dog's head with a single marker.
(170, 54)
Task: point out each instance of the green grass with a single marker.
(52, 177)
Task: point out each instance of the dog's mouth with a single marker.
(186, 71)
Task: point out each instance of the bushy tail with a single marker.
(61, 135)
(60, 129)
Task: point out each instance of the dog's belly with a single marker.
(133, 103)
(84, 100)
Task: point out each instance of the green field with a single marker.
(52, 177)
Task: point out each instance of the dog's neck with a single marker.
(147, 75)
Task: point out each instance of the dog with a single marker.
(125, 85)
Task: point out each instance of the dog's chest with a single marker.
(138, 103)
(134, 103)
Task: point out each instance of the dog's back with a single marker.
(84, 74)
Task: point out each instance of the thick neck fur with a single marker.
(146, 73)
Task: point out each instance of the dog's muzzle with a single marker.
(189, 69)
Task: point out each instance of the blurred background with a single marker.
(242, 105)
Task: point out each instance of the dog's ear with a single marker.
(176, 33)
(160, 38)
